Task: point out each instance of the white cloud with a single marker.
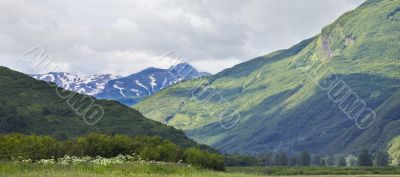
(123, 37)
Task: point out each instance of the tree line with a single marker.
(364, 158)
(36, 147)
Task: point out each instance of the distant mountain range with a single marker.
(134, 88)
(127, 90)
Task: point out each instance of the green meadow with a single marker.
(19, 169)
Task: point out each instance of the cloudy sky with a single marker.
(125, 36)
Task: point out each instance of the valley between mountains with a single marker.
(330, 100)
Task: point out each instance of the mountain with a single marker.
(338, 92)
(36, 107)
(127, 90)
(89, 85)
(134, 88)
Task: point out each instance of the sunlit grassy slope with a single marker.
(281, 107)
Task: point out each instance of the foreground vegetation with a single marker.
(33, 148)
(19, 169)
(125, 169)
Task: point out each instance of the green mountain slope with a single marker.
(281, 106)
(31, 106)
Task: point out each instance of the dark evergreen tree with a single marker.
(293, 161)
(341, 161)
(330, 160)
(322, 162)
(305, 159)
(316, 160)
(381, 159)
(268, 159)
(281, 159)
(364, 158)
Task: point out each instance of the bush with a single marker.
(204, 159)
(96, 145)
(32, 147)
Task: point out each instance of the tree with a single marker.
(293, 161)
(11, 120)
(203, 159)
(151, 153)
(305, 159)
(394, 151)
(341, 161)
(322, 162)
(329, 160)
(364, 158)
(169, 152)
(95, 144)
(316, 160)
(281, 159)
(351, 160)
(268, 159)
(381, 159)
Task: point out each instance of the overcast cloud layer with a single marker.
(124, 36)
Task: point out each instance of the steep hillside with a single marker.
(31, 106)
(287, 100)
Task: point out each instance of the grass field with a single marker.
(181, 170)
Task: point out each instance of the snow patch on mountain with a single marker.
(89, 85)
(153, 81)
(120, 90)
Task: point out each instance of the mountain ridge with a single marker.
(107, 86)
(135, 87)
(89, 85)
(279, 96)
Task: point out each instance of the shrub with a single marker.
(394, 151)
(32, 147)
(204, 159)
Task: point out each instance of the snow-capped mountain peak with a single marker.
(127, 90)
(147, 82)
(85, 84)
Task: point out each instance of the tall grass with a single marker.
(182, 170)
(126, 169)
